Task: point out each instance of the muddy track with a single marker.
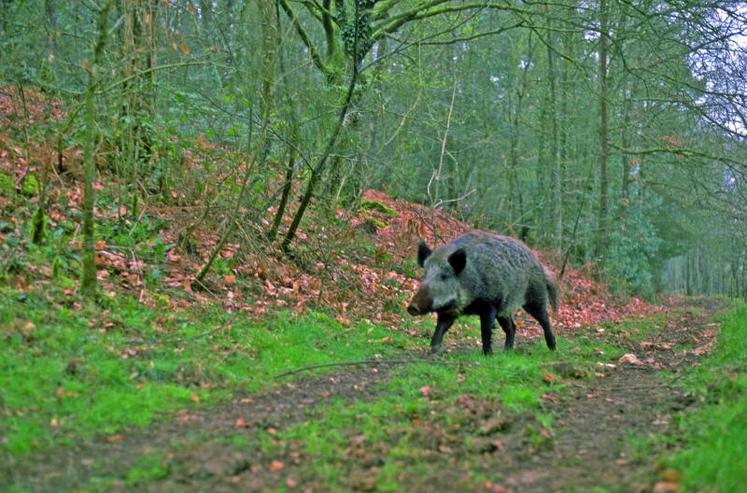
(589, 445)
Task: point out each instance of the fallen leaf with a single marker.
(240, 423)
(671, 475)
(493, 424)
(549, 378)
(425, 390)
(229, 279)
(128, 352)
(630, 359)
(276, 466)
(494, 488)
(666, 487)
(550, 397)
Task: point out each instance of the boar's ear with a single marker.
(423, 252)
(458, 260)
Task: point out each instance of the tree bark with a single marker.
(603, 213)
(88, 276)
(554, 164)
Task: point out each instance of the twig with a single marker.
(436, 175)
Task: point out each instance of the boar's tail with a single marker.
(552, 290)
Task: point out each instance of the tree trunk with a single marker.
(556, 204)
(294, 141)
(603, 217)
(88, 276)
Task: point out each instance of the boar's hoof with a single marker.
(551, 343)
(437, 349)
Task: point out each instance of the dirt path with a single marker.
(592, 446)
(588, 445)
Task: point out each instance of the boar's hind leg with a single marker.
(487, 322)
(539, 312)
(442, 325)
(509, 328)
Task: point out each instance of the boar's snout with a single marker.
(420, 303)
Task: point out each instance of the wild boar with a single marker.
(488, 275)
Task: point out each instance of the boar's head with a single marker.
(441, 289)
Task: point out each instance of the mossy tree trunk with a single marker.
(88, 276)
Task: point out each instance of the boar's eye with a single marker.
(443, 277)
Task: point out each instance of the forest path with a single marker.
(599, 423)
(579, 438)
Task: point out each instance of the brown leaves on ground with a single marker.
(33, 109)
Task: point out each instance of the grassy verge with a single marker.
(714, 457)
(69, 372)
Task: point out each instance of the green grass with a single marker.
(69, 373)
(150, 467)
(714, 458)
(401, 422)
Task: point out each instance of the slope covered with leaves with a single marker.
(358, 263)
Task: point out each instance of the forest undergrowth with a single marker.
(300, 370)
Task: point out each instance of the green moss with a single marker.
(30, 185)
(372, 205)
(7, 187)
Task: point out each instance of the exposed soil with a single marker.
(587, 447)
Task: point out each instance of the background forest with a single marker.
(609, 131)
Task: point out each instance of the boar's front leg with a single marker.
(444, 322)
(487, 323)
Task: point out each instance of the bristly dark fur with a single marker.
(488, 275)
